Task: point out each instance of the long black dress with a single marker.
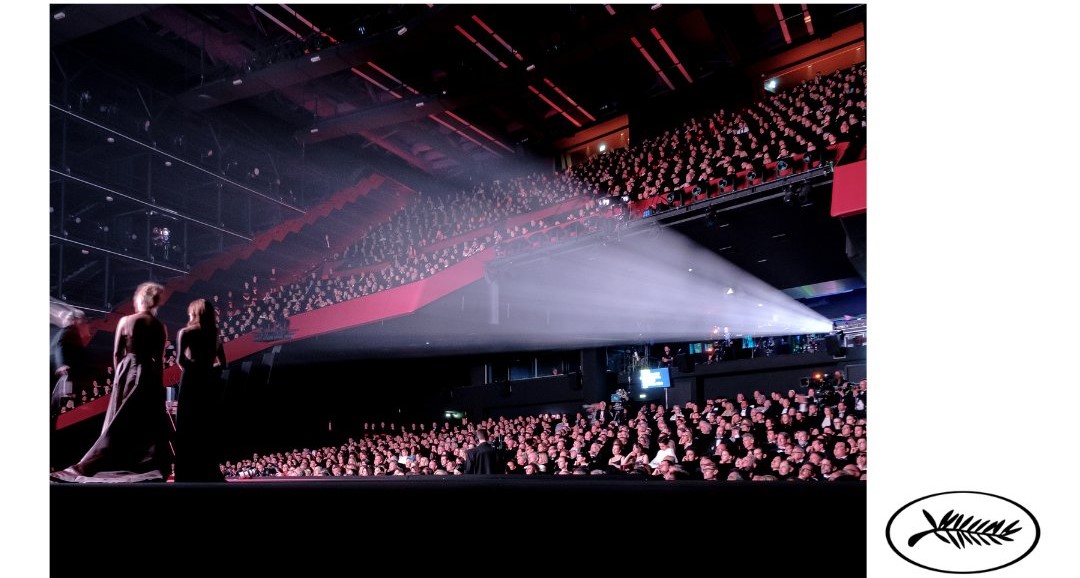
(197, 407)
(134, 441)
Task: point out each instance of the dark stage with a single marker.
(478, 524)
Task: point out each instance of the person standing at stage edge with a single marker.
(482, 459)
(134, 441)
(201, 357)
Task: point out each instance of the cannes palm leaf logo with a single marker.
(955, 529)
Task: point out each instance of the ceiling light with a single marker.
(237, 82)
(603, 147)
(314, 130)
(419, 104)
(168, 163)
(59, 16)
(402, 31)
(316, 58)
(530, 67)
(656, 6)
(730, 291)
(108, 198)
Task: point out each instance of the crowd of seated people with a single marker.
(254, 310)
(794, 127)
(435, 219)
(799, 122)
(818, 435)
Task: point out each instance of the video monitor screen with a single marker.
(655, 378)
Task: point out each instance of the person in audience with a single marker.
(483, 458)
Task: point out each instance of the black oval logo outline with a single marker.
(888, 536)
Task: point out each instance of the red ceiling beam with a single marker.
(554, 106)
(310, 25)
(570, 100)
(652, 63)
(458, 131)
(477, 44)
(783, 23)
(671, 55)
(478, 131)
(806, 20)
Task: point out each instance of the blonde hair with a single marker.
(148, 295)
(201, 314)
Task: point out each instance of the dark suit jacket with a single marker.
(483, 459)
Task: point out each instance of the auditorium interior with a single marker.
(563, 223)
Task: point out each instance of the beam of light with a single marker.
(629, 290)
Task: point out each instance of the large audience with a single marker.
(797, 126)
(791, 127)
(795, 129)
(816, 435)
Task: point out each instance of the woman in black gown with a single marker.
(201, 357)
(134, 441)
